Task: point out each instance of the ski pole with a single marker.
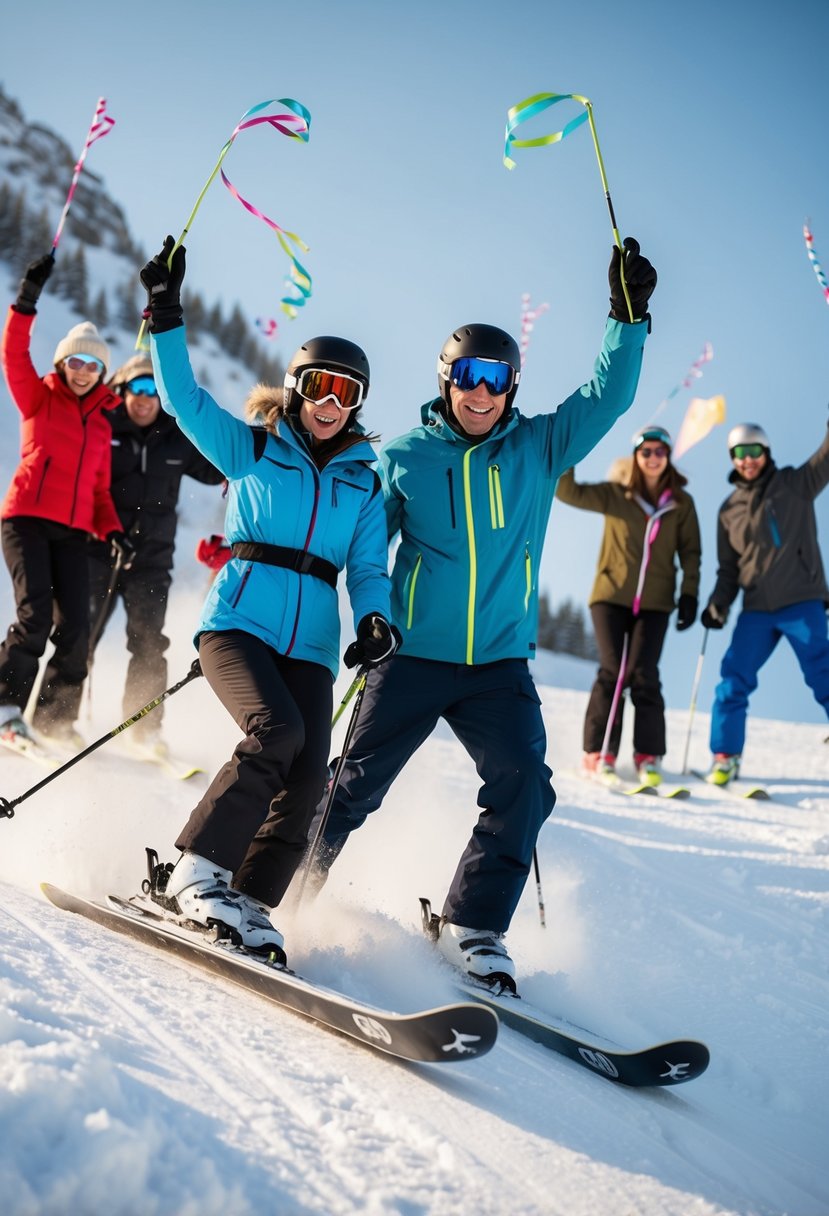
(7, 808)
(358, 685)
(100, 621)
(617, 692)
(541, 914)
(692, 707)
(360, 678)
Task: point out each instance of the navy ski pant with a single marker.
(755, 637)
(495, 712)
(254, 817)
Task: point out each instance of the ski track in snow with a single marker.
(131, 1083)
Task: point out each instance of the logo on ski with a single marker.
(599, 1061)
(676, 1072)
(371, 1028)
(460, 1043)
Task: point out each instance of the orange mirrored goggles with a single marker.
(318, 384)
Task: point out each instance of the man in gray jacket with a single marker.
(767, 544)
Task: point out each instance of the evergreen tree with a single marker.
(8, 236)
(127, 308)
(100, 310)
(233, 333)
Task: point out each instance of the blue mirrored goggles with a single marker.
(467, 373)
(142, 386)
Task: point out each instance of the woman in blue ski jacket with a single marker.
(304, 503)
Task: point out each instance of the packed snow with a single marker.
(131, 1083)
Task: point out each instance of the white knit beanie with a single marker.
(83, 339)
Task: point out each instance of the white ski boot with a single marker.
(479, 953)
(202, 891)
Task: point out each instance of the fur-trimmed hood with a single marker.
(265, 405)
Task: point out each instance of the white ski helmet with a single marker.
(747, 432)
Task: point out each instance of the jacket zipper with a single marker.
(78, 470)
(473, 558)
(496, 502)
(451, 487)
(308, 536)
(775, 531)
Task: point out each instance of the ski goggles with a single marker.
(468, 372)
(79, 363)
(142, 386)
(741, 450)
(660, 451)
(317, 384)
(656, 434)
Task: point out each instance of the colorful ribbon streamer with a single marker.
(296, 125)
(528, 318)
(100, 126)
(810, 249)
(298, 118)
(535, 105)
(268, 327)
(702, 414)
(694, 372)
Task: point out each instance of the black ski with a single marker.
(452, 1032)
(668, 1063)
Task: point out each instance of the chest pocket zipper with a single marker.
(496, 502)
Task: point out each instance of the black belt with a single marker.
(290, 559)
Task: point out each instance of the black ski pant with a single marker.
(495, 712)
(254, 818)
(47, 564)
(646, 634)
(144, 591)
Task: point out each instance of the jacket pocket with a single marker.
(40, 484)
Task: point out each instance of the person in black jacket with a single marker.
(150, 455)
(768, 548)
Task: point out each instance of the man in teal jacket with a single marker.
(470, 492)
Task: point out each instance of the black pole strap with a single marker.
(7, 807)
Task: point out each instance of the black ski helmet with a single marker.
(478, 342)
(337, 354)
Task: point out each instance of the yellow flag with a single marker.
(702, 415)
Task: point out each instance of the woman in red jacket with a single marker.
(58, 496)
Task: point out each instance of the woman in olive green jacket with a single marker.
(650, 524)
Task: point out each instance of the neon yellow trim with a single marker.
(528, 570)
(473, 561)
(412, 585)
(495, 475)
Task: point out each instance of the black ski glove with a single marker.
(713, 616)
(640, 277)
(163, 286)
(33, 283)
(123, 548)
(686, 612)
(377, 641)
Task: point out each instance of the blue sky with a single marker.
(711, 119)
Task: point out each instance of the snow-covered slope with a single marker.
(130, 1084)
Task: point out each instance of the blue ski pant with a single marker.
(495, 712)
(755, 637)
